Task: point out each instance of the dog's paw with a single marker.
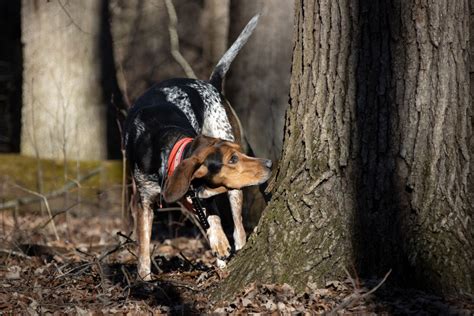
(221, 264)
(217, 239)
(220, 247)
(240, 238)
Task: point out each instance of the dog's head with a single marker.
(218, 164)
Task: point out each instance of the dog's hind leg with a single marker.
(235, 199)
(144, 223)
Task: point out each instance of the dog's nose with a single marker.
(268, 163)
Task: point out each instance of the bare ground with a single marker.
(90, 269)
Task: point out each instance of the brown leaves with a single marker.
(95, 273)
(280, 299)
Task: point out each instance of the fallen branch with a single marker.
(36, 198)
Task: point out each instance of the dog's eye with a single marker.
(234, 159)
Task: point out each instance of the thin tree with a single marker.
(63, 111)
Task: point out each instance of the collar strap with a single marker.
(176, 154)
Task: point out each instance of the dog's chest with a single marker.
(215, 122)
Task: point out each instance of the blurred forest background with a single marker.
(375, 165)
(69, 70)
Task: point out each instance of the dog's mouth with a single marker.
(267, 176)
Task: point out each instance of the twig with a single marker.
(58, 268)
(84, 253)
(357, 280)
(70, 18)
(121, 75)
(187, 260)
(180, 284)
(55, 214)
(102, 278)
(76, 270)
(127, 278)
(174, 40)
(350, 279)
(130, 240)
(46, 203)
(33, 199)
(351, 299)
(14, 253)
(124, 162)
(155, 264)
(115, 249)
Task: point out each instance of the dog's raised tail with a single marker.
(223, 65)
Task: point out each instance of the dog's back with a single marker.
(170, 109)
(201, 102)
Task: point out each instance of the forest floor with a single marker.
(90, 269)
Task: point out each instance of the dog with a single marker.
(182, 133)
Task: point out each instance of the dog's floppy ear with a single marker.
(178, 183)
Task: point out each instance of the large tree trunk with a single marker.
(375, 163)
(63, 113)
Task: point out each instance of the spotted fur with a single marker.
(216, 123)
(182, 100)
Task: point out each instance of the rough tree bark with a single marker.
(375, 162)
(471, 94)
(63, 113)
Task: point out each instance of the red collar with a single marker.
(176, 154)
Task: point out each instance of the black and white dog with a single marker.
(183, 132)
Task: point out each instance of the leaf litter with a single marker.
(91, 270)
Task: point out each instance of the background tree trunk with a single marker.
(63, 113)
(258, 84)
(142, 47)
(375, 161)
(10, 76)
(215, 25)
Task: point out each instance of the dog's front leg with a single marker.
(144, 225)
(236, 199)
(218, 240)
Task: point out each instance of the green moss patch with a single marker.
(29, 172)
